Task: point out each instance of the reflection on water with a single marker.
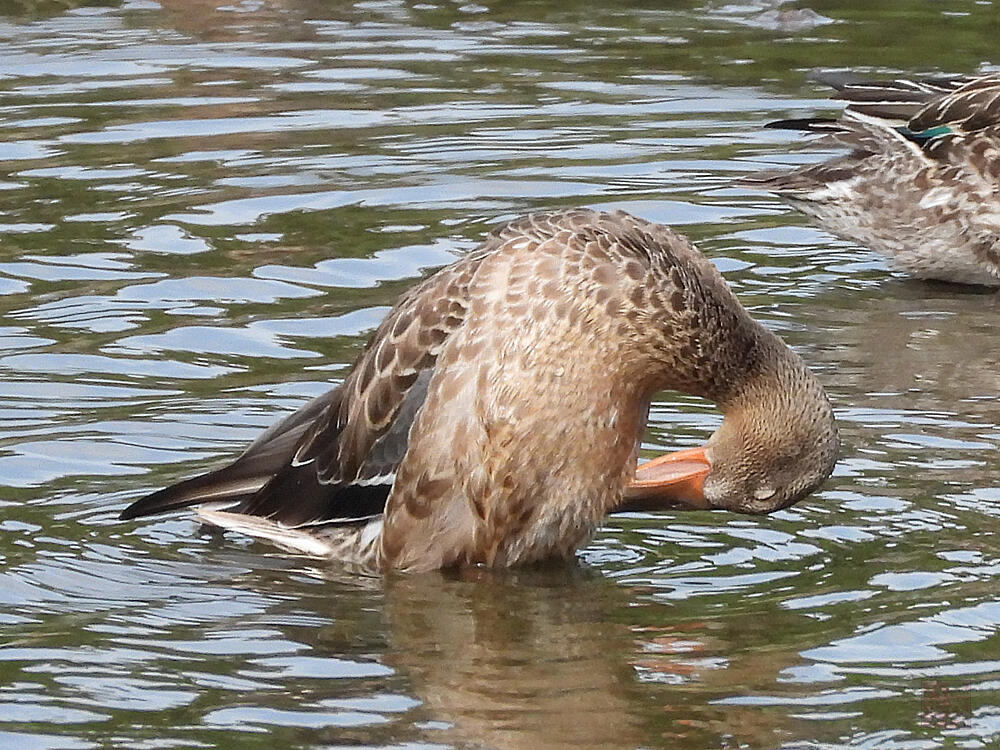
(529, 660)
(204, 209)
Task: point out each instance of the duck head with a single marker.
(777, 443)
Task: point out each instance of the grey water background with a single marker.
(204, 209)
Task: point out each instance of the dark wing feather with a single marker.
(334, 460)
(972, 107)
(299, 496)
(898, 99)
(247, 474)
(854, 86)
(808, 124)
(295, 497)
(861, 138)
(963, 102)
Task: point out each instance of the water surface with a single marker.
(206, 207)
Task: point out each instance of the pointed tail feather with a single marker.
(222, 488)
(808, 124)
(237, 482)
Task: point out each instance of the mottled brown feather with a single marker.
(924, 192)
(502, 400)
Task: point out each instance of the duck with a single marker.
(921, 182)
(494, 417)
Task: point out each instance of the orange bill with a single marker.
(670, 482)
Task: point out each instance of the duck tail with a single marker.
(233, 484)
(808, 124)
(222, 488)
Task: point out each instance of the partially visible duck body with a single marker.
(495, 415)
(921, 184)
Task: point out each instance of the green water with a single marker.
(205, 208)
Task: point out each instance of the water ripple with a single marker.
(206, 209)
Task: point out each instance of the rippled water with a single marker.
(204, 209)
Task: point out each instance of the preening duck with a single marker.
(494, 416)
(921, 184)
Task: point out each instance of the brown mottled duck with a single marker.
(495, 415)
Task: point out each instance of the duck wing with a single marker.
(946, 121)
(972, 106)
(246, 475)
(899, 99)
(334, 460)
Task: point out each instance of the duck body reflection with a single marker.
(555, 655)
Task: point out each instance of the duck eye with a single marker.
(764, 493)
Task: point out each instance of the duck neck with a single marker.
(777, 421)
(757, 367)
